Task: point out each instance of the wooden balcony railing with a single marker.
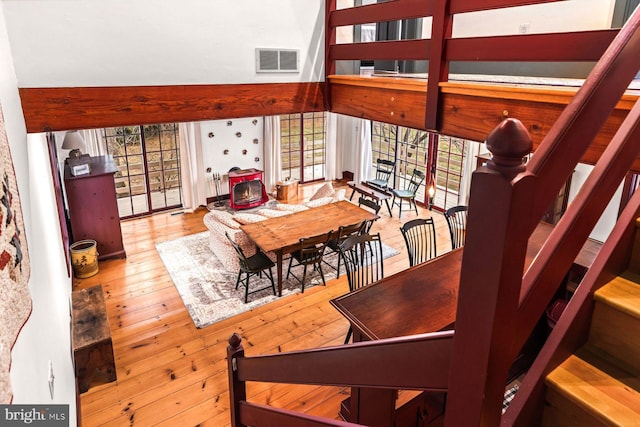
(441, 48)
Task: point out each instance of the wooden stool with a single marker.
(92, 346)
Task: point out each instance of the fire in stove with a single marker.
(247, 192)
(246, 189)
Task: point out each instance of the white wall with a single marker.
(225, 138)
(608, 219)
(571, 15)
(45, 336)
(150, 42)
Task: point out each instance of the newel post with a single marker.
(237, 388)
(490, 279)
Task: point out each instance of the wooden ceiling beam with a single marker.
(55, 109)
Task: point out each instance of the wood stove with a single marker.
(246, 189)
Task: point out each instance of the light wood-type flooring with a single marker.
(172, 374)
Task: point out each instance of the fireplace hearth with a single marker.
(246, 189)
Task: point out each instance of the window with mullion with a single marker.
(303, 146)
(383, 143)
(449, 169)
(409, 148)
(148, 161)
(412, 153)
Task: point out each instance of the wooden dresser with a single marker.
(93, 207)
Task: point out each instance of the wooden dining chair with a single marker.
(408, 195)
(374, 207)
(420, 237)
(309, 253)
(362, 255)
(384, 172)
(250, 266)
(457, 221)
(344, 231)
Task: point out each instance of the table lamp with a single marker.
(73, 141)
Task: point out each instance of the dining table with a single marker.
(281, 235)
(418, 300)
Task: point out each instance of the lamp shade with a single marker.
(73, 141)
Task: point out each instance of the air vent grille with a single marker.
(276, 60)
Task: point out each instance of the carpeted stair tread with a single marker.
(621, 293)
(610, 399)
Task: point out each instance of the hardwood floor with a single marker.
(170, 373)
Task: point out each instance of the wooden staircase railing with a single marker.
(358, 364)
(507, 201)
(498, 306)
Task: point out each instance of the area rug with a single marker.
(207, 288)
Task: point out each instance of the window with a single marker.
(302, 138)
(148, 179)
(449, 168)
(435, 155)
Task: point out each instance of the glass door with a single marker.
(148, 160)
(303, 146)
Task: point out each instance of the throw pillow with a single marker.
(219, 214)
(340, 195)
(272, 213)
(319, 202)
(324, 191)
(248, 218)
(291, 207)
(229, 222)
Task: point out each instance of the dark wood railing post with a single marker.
(237, 388)
(490, 279)
(329, 40)
(442, 29)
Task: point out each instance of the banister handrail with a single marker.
(499, 328)
(573, 229)
(356, 364)
(578, 124)
(253, 414)
(572, 329)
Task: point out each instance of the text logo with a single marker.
(34, 415)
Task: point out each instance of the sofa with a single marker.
(220, 221)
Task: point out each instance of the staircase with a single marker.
(599, 385)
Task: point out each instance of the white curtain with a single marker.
(272, 156)
(470, 161)
(333, 148)
(94, 141)
(363, 167)
(192, 173)
(354, 140)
